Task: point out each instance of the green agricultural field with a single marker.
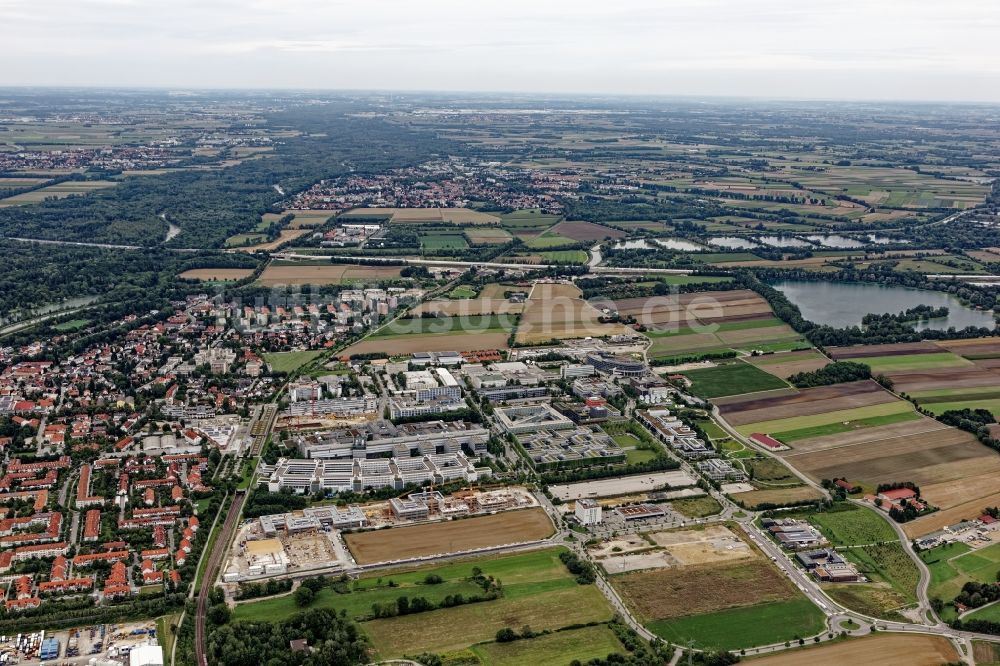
(813, 420)
(693, 279)
(712, 429)
(289, 361)
(731, 379)
(993, 406)
(239, 240)
(851, 525)
(555, 649)
(528, 219)
(433, 242)
(789, 436)
(724, 257)
(915, 362)
(762, 624)
(565, 256)
(548, 240)
(429, 325)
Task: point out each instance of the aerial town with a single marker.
(294, 378)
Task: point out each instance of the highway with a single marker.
(447, 263)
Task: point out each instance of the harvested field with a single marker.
(787, 364)
(586, 231)
(805, 402)
(556, 311)
(58, 191)
(882, 649)
(973, 376)
(322, 273)
(455, 341)
(483, 235)
(949, 465)
(401, 543)
(975, 348)
(677, 592)
(955, 514)
(777, 496)
(216, 274)
(424, 215)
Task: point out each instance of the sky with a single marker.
(798, 49)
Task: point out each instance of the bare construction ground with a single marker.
(452, 536)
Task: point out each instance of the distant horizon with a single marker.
(527, 95)
(825, 50)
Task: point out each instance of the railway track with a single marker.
(212, 571)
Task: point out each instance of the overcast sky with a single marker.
(809, 49)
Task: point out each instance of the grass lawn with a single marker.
(696, 507)
(520, 574)
(556, 649)
(992, 406)
(731, 379)
(635, 456)
(789, 436)
(450, 629)
(71, 325)
(750, 626)
(954, 565)
(462, 291)
(240, 240)
(712, 429)
(990, 613)
(289, 361)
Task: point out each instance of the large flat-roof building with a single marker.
(381, 438)
(336, 476)
(588, 511)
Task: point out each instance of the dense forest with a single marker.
(210, 205)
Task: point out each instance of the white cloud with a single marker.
(913, 49)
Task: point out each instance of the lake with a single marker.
(678, 244)
(732, 243)
(843, 304)
(783, 241)
(839, 242)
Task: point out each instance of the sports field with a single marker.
(401, 543)
(953, 565)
